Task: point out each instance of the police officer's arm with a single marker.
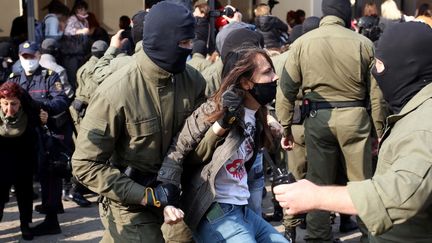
(59, 102)
(103, 69)
(379, 111)
(212, 76)
(304, 196)
(388, 198)
(401, 192)
(378, 106)
(289, 84)
(96, 140)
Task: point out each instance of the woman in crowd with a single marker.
(227, 132)
(77, 24)
(18, 151)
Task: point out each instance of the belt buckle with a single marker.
(313, 113)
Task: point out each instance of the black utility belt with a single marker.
(309, 108)
(335, 104)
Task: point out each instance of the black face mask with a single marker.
(407, 62)
(264, 93)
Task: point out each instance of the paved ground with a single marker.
(83, 225)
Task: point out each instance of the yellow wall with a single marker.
(9, 9)
(110, 12)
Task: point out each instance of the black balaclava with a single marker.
(406, 51)
(338, 8)
(166, 24)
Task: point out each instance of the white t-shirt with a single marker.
(231, 180)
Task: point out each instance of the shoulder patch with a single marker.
(58, 86)
(50, 72)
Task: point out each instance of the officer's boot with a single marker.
(50, 226)
(347, 224)
(77, 194)
(290, 234)
(26, 232)
(277, 213)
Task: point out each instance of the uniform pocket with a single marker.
(143, 128)
(411, 173)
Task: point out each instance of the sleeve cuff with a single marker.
(112, 51)
(369, 206)
(170, 174)
(136, 194)
(211, 137)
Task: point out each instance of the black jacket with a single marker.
(271, 28)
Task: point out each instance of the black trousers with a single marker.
(24, 195)
(51, 189)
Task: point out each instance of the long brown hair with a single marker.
(243, 69)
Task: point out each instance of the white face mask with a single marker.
(29, 65)
(82, 16)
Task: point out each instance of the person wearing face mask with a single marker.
(337, 88)
(77, 23)
(18, 121)
(75, 44)
(220, 140)
(46, 89)
(129, 125)
(395, 204)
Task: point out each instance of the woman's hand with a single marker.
(172, 215)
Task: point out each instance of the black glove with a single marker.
(162, 195)
(232, 99)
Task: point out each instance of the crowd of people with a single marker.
(175, 130)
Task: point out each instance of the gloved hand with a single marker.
(162, 195)
(232, 99)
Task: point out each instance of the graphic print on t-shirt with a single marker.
(231, 180)
(236, 168)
